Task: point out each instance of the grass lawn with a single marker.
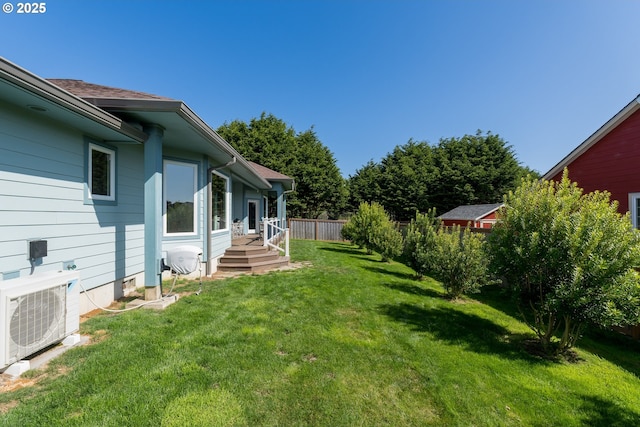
(347, 341)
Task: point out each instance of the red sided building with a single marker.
(476, 216)
(609, 160)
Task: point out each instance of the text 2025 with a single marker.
(31, 7)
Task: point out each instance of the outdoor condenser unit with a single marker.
(37, 311)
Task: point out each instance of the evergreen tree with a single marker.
(268, 141)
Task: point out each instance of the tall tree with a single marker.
(269, 141)
(408, 174)
(416, 176)
(266, 140)
(474, 169)
(364, 185)
(320, 186)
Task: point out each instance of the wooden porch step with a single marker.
(245, 250)
(251, 259)
(254, 266)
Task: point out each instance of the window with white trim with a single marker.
(634, 209)
(101, 173)
(179, 197)
(219, 202)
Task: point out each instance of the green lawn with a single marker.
(348, 341)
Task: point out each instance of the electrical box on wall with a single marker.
(37, 249)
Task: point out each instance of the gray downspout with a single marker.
(208, 210)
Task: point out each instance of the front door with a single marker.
(254, 220)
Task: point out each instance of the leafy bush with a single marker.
(459, 260)
(420, 241)
(387, 240)
(568, 258)
(348, 231)
(371, 228)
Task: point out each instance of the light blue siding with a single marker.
(237, 203)
(42, 185)
(220, 241)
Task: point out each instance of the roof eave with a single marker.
(611, 124)
(205, 130)
(25, 80)
(191, 118)
(490, 212)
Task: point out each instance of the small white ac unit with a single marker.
(37, 311)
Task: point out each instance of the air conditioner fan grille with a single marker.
(37, 320)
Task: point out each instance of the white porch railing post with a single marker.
(265, 231)
(286, 242)
(273, 234)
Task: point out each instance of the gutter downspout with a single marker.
(208, 210)
(284, 201)
(286, 219)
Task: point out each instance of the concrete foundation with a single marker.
(157, 304)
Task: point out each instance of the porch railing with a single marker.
(276, 233)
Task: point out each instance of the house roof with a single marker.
(616, 120)
(32, 93)
(271, 175)
(86, 90)
(183, 129)
(471, 212)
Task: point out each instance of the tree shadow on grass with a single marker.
(344, 248)
(610, 345)
(415, 290)
(601, 412)
(360, 254)
(467, 330)
(613, 346)
(495, 296)
(386, 271)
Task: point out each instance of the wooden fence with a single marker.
(316, 229)
(330, 230)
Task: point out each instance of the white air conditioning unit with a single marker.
(37, 311)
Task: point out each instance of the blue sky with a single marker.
(367, 75)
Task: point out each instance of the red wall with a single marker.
(475, 224)
(612, 164)
(460, 222)
(492, 215)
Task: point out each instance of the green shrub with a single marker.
(348, 231)
(420, 241)
(459, 260)
(568, 258)
(387, 241)
(372, 229)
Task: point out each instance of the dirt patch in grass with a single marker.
(10, 384)
(535, 348)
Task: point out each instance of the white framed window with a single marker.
(634, 209)
(180, 204)
(219, 202)
(101, 174)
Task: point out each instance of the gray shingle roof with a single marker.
(471, 212)
(83, 89)
(267, 173)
